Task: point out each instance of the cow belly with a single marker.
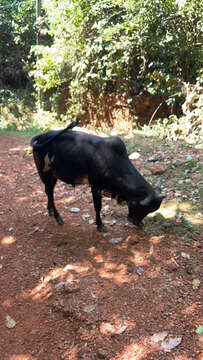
(77, 180)
(81, 180)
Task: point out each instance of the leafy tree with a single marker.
(120, 46)
(17, 35)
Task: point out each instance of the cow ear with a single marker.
(146, 201)
(161, 197)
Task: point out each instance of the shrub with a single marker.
(188, 127)
(119, 46)
(15, 109)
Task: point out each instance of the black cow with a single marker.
(78, 158)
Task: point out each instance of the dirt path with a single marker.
(69, 293)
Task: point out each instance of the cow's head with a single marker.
(141, 208)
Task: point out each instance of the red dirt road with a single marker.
(74, 295)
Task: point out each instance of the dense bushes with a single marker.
(187, 127)
(17, 36)
(15, 109)
(120, 46)
(100, 56)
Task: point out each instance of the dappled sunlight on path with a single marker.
(73, 293)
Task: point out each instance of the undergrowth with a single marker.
(18, 112)
(189, 126)
(16, 109)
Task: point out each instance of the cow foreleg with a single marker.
(133, 219)
(98, 205)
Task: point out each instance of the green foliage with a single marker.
(190, 162)
(120, 46)
(104, 46)
(17, 113)
(17, 35)
(188, 127)
(15, 109)
(199, 330)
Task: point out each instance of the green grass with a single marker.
(14, 132)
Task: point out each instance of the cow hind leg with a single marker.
(50, 183)
(98, 205)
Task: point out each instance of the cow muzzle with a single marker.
(136, 222)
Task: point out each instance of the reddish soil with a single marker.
(74, 295)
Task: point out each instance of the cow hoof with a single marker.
(59, 221)
(135, 222)
(140, 225)
(102, 228)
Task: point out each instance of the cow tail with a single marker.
(34, 140)
(72, 125)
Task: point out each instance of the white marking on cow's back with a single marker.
(47, 162)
